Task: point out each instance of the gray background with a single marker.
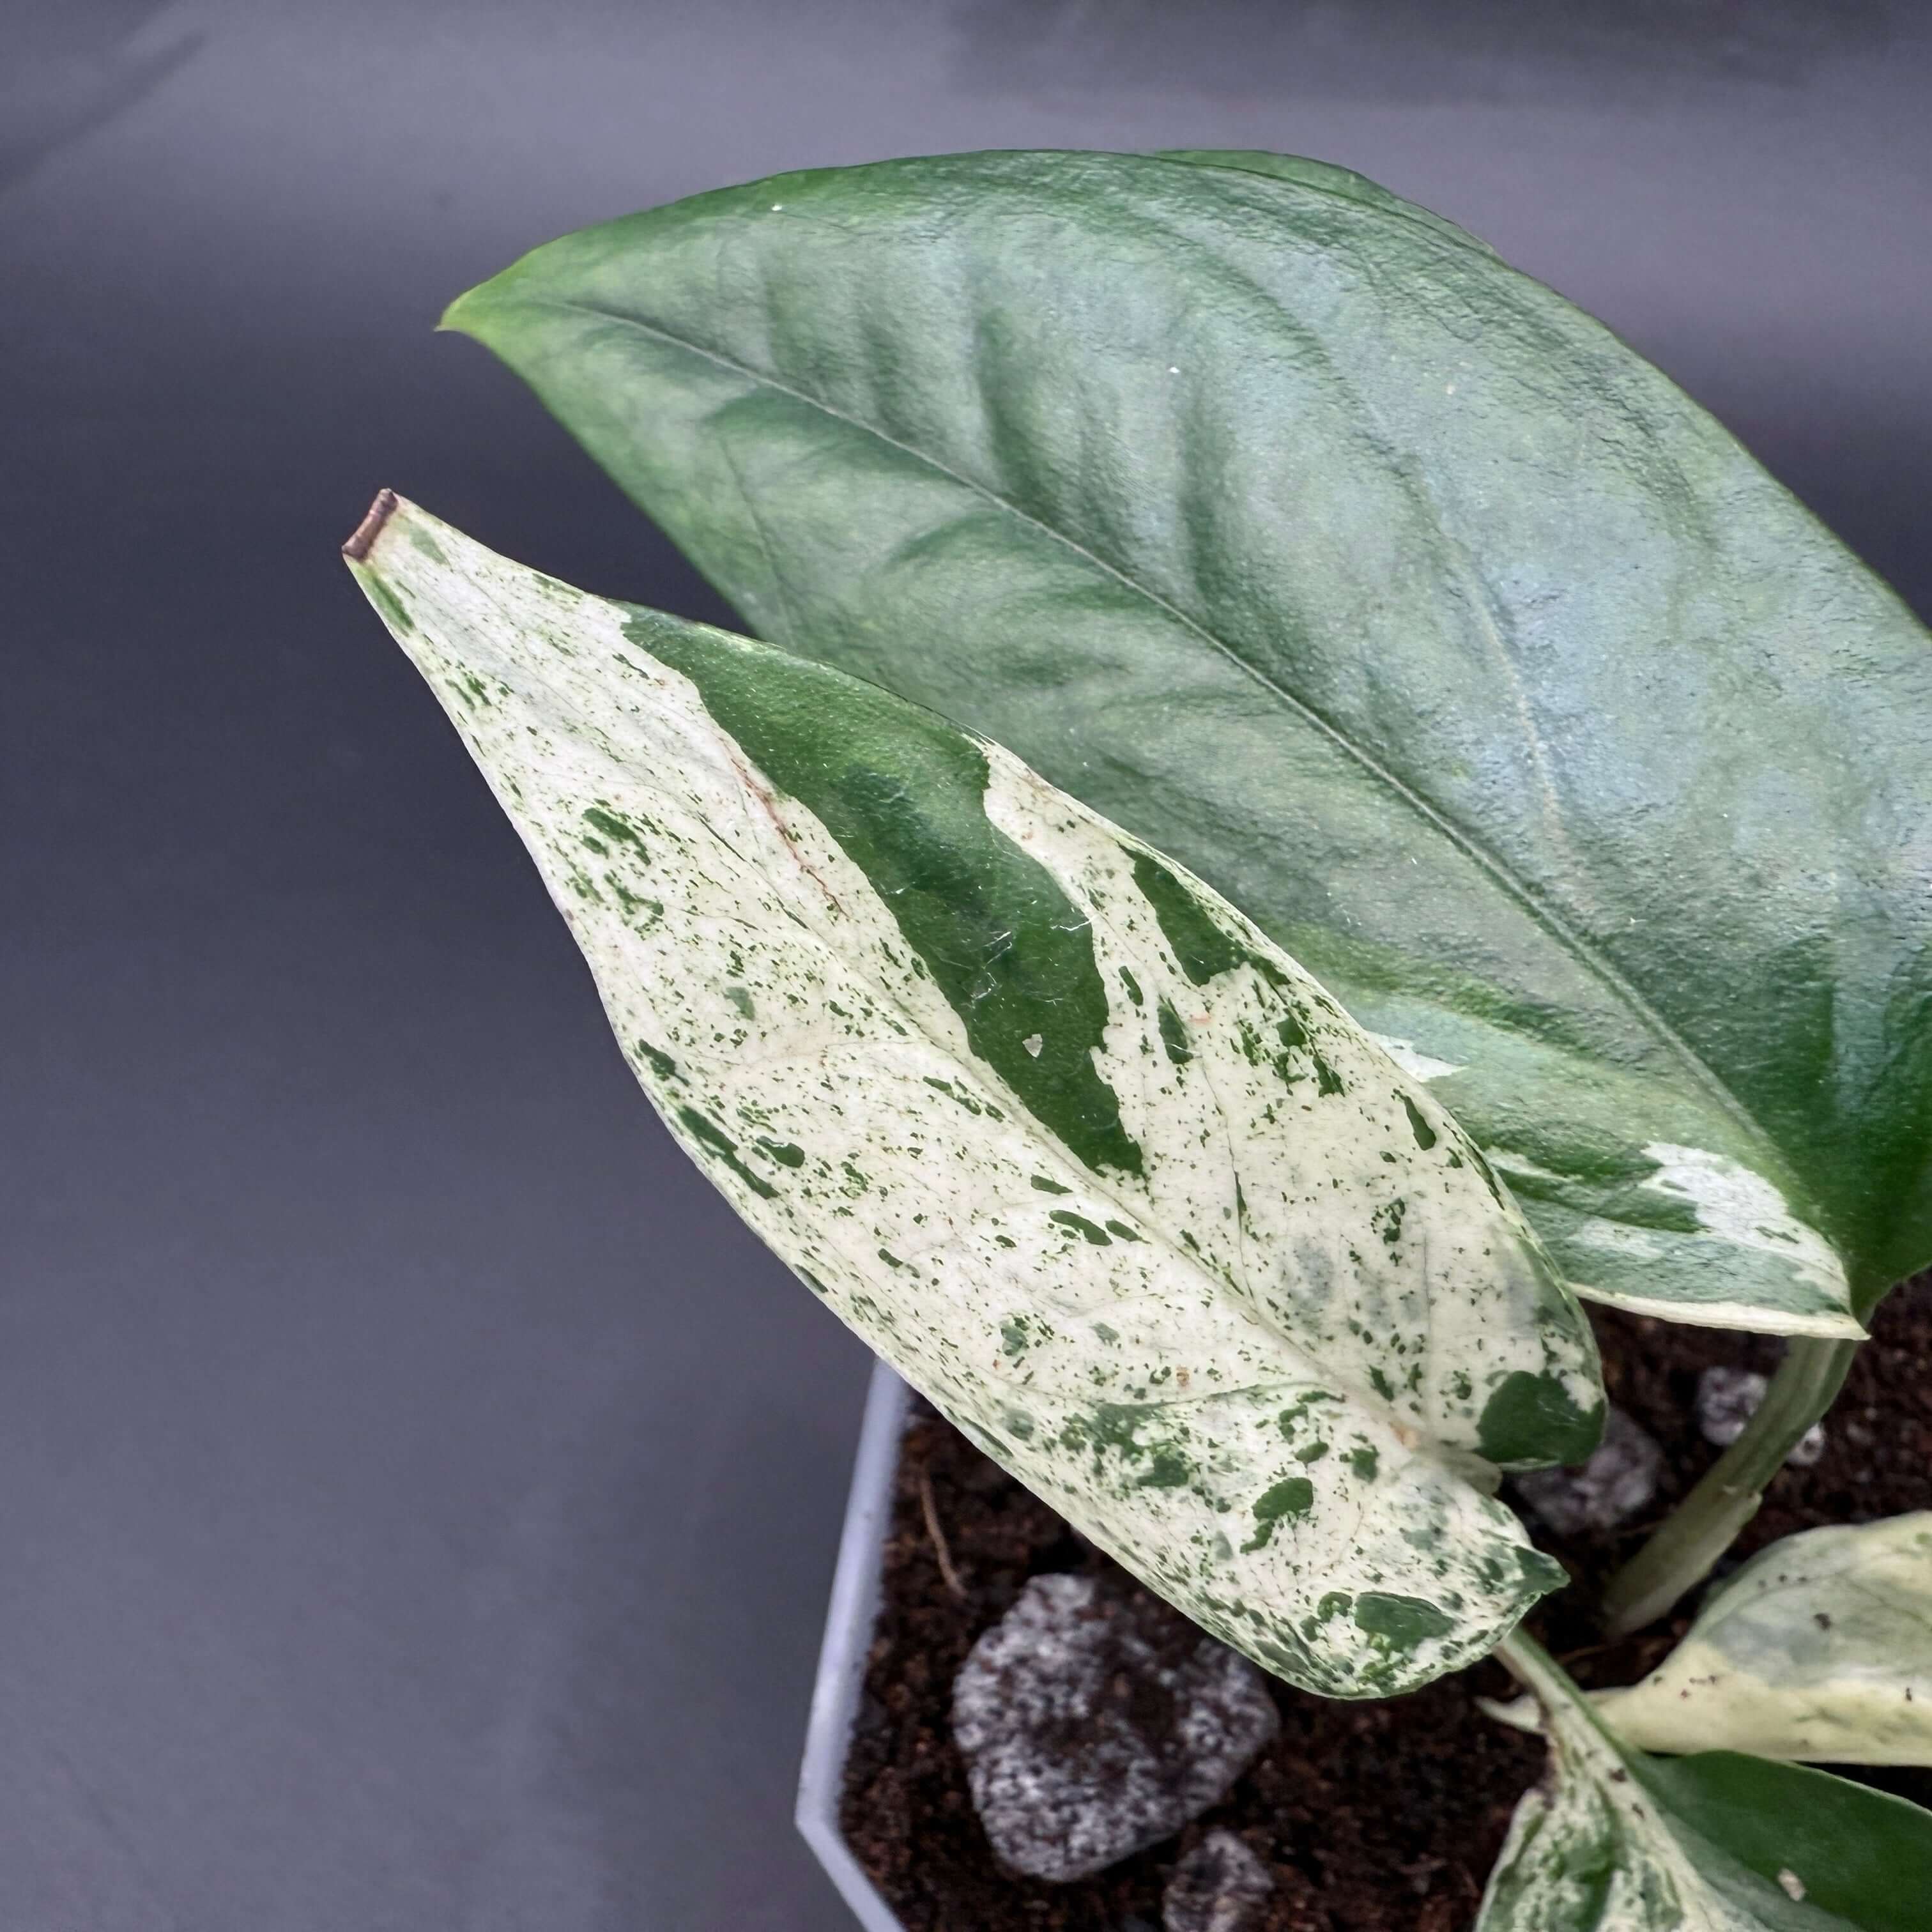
(417, 1495)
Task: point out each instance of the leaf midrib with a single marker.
(1578, 947)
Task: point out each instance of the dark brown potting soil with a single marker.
(1371, 1817)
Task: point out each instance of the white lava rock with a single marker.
(1095, 1721)
(1619, 1480)
(1728, 1398)
(1220, 1886)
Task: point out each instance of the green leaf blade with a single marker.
(1237, 1314)
(1614, 1840)
(1862, 1856)
(1394, 596)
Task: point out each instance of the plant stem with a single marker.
(1690, 1540)
(1527, 1661)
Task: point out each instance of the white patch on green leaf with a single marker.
(1253, 1296)
(1413, 1061)
(1744, 1229)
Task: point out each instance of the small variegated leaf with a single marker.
(1059, 1132)
(1820, 1648)
(1614, 1840)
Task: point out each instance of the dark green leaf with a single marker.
(1291, 528)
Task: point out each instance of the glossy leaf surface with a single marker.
(1820, 1647)
(1061, 1135)
(1616, 1841)
(1291, 528)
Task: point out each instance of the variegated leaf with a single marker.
(1820, 1647)
(1613, 1840)
(1061, 1135)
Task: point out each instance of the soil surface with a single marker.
(1370, 1817)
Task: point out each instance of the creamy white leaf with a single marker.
(1058, 1132)
(1818, 1649)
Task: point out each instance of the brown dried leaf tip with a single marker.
(362, 540)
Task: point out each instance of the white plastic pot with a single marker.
(848, 1637)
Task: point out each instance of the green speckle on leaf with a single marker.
(715, 1141)
(1425, 1134)
(394, 613)
(1168, 1469)
(1081, 1226)
(1363, 1461)
(1044, 1186)
(613, 825)
(742, 1000)
(1291, 1497)
(953, 1093)
(659, 1061)
(784, 1153)
(1132, 986)
(1173, 1035)
(1400, 1623)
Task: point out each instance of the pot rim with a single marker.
(842, 1657)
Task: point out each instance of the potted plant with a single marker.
(1570, 783)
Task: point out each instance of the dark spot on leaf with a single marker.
(1168, 1469)
(1173, 1035)
(1401, 1623)
(660, 1062)
(715, 1141)
(1081, 1226)
(1293, 1496)
(395, 614)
